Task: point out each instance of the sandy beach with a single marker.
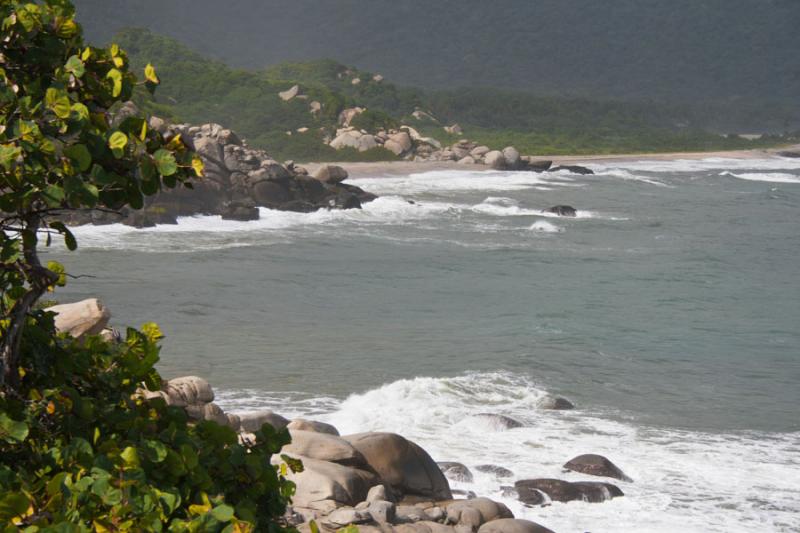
(399, 168)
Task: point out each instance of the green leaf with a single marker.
(11, 430)
(117, 141)
(58, 101)
(165, 162)
(69, 238)
(150, 74)
(9, 154)
(80, 155)
(155, 451)
(81, 110)
(75, 66)
(223, 513)
(115, 76)
(13, 504)
(53, 195)
(130, 456)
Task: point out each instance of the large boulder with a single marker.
(366, 142)
(324, 447)
(323, 480)
(495, 159)
(512, 157)
(312, 425)
(403, 465)
(289, 93)
(188, 390)
(403, 140)
(252, 422)
(511, 525)
(596, 465)
(347, 139)
(487, 509)
(208, 411)
(87, 317)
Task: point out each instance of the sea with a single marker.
(667, 311)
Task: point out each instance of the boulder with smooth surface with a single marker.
(252, 422)
(324, 447)
(596, 465)
(312, 425)
(403, 465)
(79, 319)
(323, 480)
(511, 525)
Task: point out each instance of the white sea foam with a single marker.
(442, 181)
(544, 226)
(700, 165)
(687, 481)
(770, 177)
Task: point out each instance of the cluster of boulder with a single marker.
(380, 482)
(237, 181)
(404, 142)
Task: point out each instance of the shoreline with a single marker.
(400, 168)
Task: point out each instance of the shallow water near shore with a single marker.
(667, 311)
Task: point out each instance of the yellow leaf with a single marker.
(284, 470)
(176, 143)
(143, 134)
(150, 74)
(114, 50)
(51, 408)
(198, 166)
(87, 53)
(118, 62)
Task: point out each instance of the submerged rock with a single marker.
(596, 465)
(531, 491)
(498, 471)
(456, 471)
(500, 422)
(557, 404)
(574, 169)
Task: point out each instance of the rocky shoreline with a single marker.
(237, 181)
(380, 482)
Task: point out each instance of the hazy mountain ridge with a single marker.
(675, 50)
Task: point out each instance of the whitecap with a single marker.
(770, 177)
(545, 227)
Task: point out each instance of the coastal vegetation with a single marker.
(197, 89)
(82, 447)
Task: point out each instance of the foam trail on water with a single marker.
(683, 480)
(770, 177)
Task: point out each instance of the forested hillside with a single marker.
(197, 89)
(732, 51)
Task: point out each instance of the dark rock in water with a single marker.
(557, 404)
(789, 153)
(509, 492)
(530, 491)
(456, 471)
(467, 494)
(498, 471)
(241, 212)
(574, 169)
(596, 465)
(539, 166)
(500, 421)
(563, 210)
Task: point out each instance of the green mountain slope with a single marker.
(196, 89)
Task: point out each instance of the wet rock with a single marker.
(562, 210)
(498, 471)
(789, 153)
(499, 422)
(574, 169)
(331, 174)
(456, 471)
(596, 465)
(538, 166)
(564, 491)
(557, 404)
(464, 494)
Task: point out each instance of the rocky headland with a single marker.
(380, 482)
